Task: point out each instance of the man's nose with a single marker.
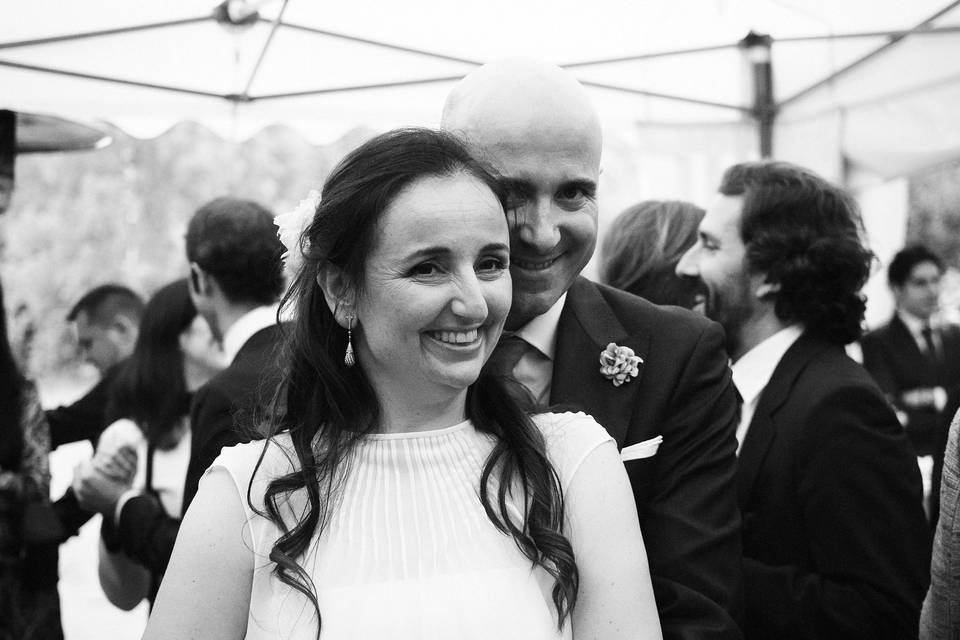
(687, 266)
(536, 224)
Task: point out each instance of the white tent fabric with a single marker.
(864, 89)
(319, 48)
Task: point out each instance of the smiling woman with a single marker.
(408, 491)
(449, 291)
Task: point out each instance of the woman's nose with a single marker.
(469, 301)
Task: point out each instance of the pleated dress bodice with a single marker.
(408, 550)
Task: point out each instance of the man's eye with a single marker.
(574, 195)
(569, 193)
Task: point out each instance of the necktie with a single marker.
(506, 355)
(502, 361)
(927, 333)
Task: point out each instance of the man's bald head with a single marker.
(508, 98)
(534, 124)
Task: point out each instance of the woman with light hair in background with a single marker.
(642, 246)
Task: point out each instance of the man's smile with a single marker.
(534, 265)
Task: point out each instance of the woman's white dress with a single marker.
(409, 551)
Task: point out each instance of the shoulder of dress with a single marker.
(568, 428)
(554, 419)
(279, 455)
(569, 439)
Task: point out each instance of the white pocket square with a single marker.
(640, 450)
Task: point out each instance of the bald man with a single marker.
(535, 125)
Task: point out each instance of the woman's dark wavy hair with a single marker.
(11, 399)
(150, 388)
(335, 405)
(806, 235)
(642, 247)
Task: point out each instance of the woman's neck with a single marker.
(405, 415)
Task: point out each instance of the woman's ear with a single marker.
(338, 292)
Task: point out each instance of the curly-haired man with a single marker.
(834, 539)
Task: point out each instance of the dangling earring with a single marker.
(348, 358)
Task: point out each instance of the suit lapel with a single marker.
(762, 431)
(587, 325)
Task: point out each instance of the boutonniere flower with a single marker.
(619, 364)
(290, 228)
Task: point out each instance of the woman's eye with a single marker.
(425, 269)
(492, 264)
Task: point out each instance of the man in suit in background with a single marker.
(534, 124)
(916, 359)
(834, 539)
(235, 281)
(107, 321)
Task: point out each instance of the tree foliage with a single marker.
(119, 214)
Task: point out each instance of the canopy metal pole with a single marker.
(756, 47)
(103, 32)
(871, 55)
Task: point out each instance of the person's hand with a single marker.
(119, 465)
(95, 490)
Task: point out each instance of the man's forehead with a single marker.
(925, 271)
(723, 216)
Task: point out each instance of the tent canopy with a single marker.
(855, 83)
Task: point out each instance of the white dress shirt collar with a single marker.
(753, 371)
(541, 332)
(246, 325)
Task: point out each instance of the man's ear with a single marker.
(125, 329)
(199, 280)
(338, 292)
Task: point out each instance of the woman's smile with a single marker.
(456, 337)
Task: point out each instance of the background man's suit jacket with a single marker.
(145, 531)
(685, 494)
(835, 542)
(895, 361)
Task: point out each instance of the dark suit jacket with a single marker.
(86, 418)
(835, 542)
(892, 357)
(685, 494)
(145, 531)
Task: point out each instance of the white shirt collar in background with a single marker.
(753, 371)
(246, 325)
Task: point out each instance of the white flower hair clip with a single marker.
(619, 364)
(290, 228)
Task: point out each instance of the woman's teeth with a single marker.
(456, 337)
